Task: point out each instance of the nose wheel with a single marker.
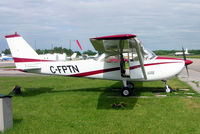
(127, 90)
(168, 89)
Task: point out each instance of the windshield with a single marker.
(149, 54)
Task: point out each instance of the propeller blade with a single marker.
(187, 70)
(184, 57)
(183, 53)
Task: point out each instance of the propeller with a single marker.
(186, 65)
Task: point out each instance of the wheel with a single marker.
(130, 85)
(168, 89)
(126, 92)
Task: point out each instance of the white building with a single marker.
(54, 56)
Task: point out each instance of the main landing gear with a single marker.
(168, 89)
(128, 88)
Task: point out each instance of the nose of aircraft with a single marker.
(188, 62)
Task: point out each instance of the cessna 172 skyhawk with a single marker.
(142, 64)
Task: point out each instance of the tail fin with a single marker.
(21, 51)
(73, 56)
(20, 48)
(186, 51)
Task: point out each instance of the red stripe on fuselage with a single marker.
(96, 72)
(167, 58)
(30, 60)
(14, 69)
(151, 64)
(114, 69)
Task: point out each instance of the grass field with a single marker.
(9, 67)
(50, 105)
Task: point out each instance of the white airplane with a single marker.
(145, 66)
(72, 57)
(181, 53)
(85, 56)
(93, 56)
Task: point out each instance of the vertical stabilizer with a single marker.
(21, 51)
(20, 48)
(73, 56)
(186, 51)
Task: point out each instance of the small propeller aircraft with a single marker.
(140, 64)
(5, 57)
(182, 53)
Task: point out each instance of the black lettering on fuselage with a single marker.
(75, 68)
(52, 69)
(59, 69)
(64, 69)
(69, 66)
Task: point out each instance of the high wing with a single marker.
(119, 44)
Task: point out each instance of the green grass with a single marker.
(50, 105)
(9, 67)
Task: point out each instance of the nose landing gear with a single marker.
(128, 88)
(168, 89)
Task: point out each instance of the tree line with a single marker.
(57, 50)
(171, 52)
(90, 52)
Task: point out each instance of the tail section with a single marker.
(186, 51)
(20, 48)
(73, 56)
(24, 56)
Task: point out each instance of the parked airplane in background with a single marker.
(72, 57)
(141, 65)
(85, 56)
(181, 53)
(5, 57)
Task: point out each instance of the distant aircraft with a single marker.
(141, 65)
(5, 57)
(85, 56)
(72, 57)
(93, 56)
(181, 53)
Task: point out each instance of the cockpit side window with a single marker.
(112, 59)
(108, 58)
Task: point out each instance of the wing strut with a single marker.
(141, 59)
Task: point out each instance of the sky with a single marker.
(159, 24)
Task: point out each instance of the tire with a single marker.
(168, 89)
(126, 92)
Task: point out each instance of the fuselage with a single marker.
(158, 68)
(124, 58)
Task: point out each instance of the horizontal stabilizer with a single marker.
(31, 70)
